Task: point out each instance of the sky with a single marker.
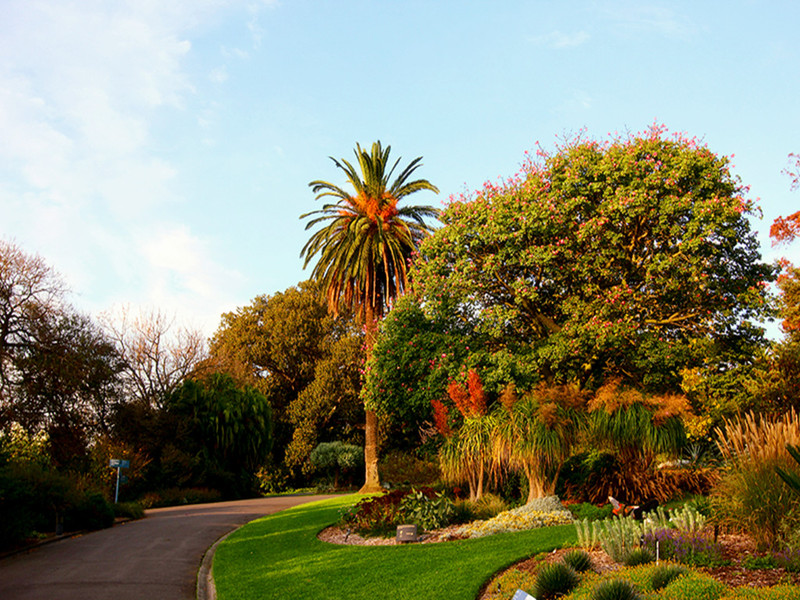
(157, 153)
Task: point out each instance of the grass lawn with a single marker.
(279, 556)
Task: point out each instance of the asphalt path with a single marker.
(155, 558)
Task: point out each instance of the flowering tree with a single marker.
(631, 258)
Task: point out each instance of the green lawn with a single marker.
(279, 556)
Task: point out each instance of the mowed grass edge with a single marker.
(279, 556)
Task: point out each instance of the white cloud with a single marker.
(83, 87)
(218, 75)
(558, 39)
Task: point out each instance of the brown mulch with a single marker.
(736, 548)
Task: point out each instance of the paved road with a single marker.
(155, 558)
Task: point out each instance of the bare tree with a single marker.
(157, 354)
(30, 292)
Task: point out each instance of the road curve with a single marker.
(155, 558)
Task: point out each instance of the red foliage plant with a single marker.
(470, 400)
(441, 418)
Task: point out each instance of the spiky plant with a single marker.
(579, 560)
(638, 556)
(791, 478)
(616, 589)
(664, 574)
(637, 427)
(554, 580)
(365, 243)
(536, 433)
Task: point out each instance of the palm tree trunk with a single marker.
(372, 483)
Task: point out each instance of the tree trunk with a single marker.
(372, 483)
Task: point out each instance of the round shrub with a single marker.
(555, 580)
(664, 574)
(578, 559)
(640, 556)
(616, 589)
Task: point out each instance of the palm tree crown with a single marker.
(367, 240)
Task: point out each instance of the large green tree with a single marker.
(363, 243)
(274, 344)
(631, 259)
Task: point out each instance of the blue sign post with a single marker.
(119, 464)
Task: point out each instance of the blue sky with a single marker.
(157, 153)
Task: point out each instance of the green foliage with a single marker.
(225, 430)
(555, 580)
(275, 344)
(790, 477)
(402, 469)
(591, 512)
(616, 589)
(630, 258)
(261, 561)
(639, 556)
(35, 497)
(664, 574)
(425, 511)
(687, 519)
(693, 585)
(178, 496)
(129, 510)
(579, 560)
(336, 457)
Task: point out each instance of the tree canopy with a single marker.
(633, 259)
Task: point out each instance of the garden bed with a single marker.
(736, 548)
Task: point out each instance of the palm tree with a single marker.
(365, 244)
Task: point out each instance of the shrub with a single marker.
(639, 556)
(517, 519)
(489, 506)
(380, 515)
(554, 580)
(579, 560)
(129, 510)
(693, 585)
(664, 574)
(615, 589)
(178, 496)
(426, 512)
(788, 559)
(760, 562)
(92, 511)
(591, 512)
(400, 469)
(688, 548)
